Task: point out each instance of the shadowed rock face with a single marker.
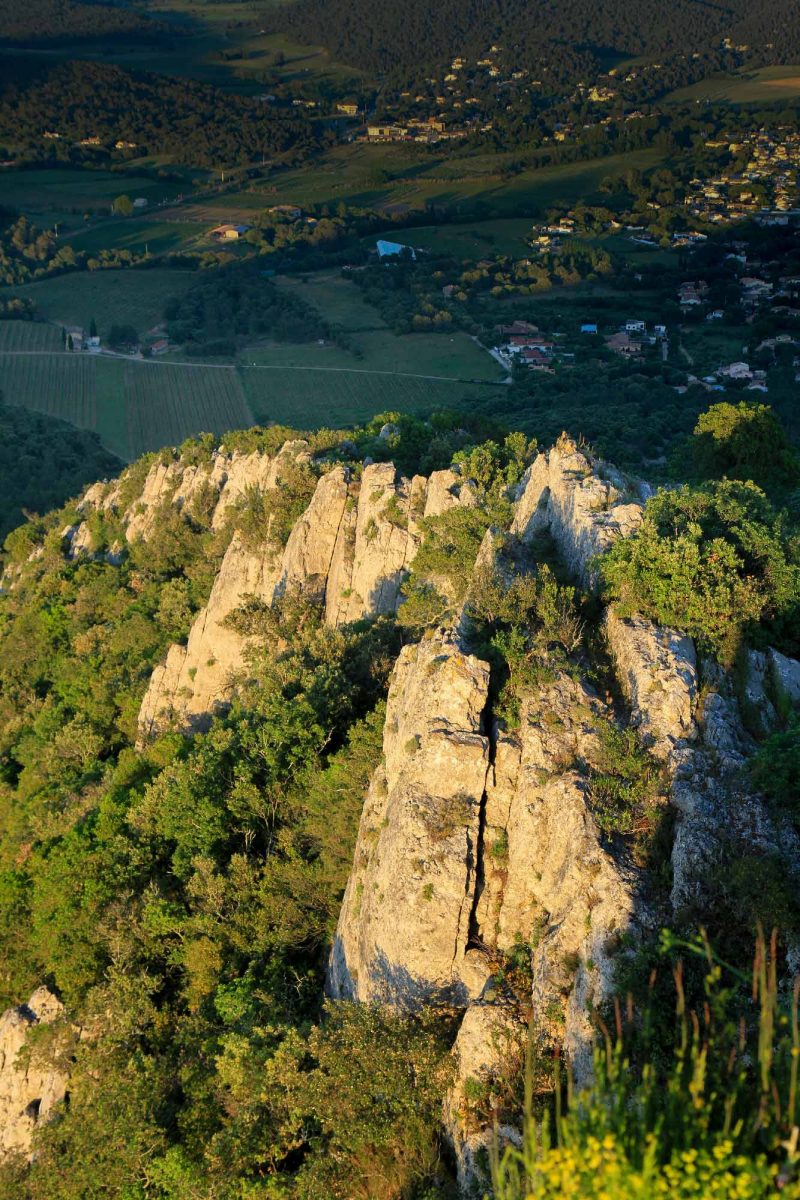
(29, 1089)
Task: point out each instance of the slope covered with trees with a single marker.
(46, 21)
(43, 462)
(192, 122)
(568, 37)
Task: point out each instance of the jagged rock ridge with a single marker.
(473, 838)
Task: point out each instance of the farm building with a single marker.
(229, 233)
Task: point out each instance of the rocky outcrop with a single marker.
(550, 885)
(584, 506)
(197, 680)
(222, 482)
(704, 746)
(376, 547)
(657, 669)
(30, 1089)
(403, 933)
(349, 552)
(470, 844)
(521, 867)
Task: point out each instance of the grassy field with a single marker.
(335, 398)
(54, 192)
(375, 348)
(436, 356)
(126, 297)
(350, 173)
(28, 335)
(152, 236)
(745, 87)
(338, 300)
(477, 239)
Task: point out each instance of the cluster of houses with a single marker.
(521, 343)
(428, 130)
(630, 340)
(692, 293)
(765, 183)
(154, 342)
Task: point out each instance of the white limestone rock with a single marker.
(30, 1089)
(579, 502)
(403, 931)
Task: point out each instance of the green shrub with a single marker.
(715, 561)
(625, 781)
(716, 1123)
(743, 441)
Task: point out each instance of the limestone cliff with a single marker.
(30, 1089)
(403, 934)
(349, 552)
(583, 505)
(482, 879)
(475, 842)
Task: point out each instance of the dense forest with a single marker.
(43, 462)
(569, 37)
(235, 305)
(190, 121)
(44, 21)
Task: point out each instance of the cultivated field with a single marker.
(132, 406)
(28, 335)
(165, 403)
(308, 398)
(124, 297)
(136, 406)
(58, 384)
